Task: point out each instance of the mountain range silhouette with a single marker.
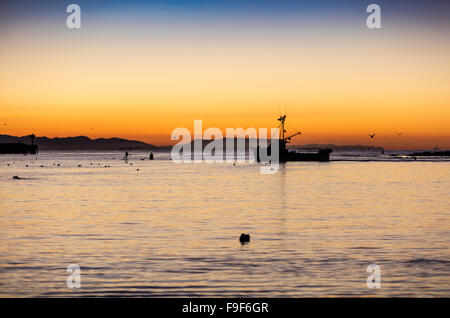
(115, 143)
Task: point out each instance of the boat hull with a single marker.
(322, 155)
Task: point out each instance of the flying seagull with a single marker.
(372, 135)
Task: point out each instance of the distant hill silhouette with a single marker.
(291, 146)
(81, 143)
(86, 143)
(339, 147)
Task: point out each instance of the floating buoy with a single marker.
(244, 238)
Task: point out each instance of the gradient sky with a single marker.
(139, 69)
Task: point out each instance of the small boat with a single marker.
(286, 155)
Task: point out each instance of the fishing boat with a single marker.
(286, 155)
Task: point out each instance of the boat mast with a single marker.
(282, 119)
(285, 140)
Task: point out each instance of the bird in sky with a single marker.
(372, 135)
(399, 133)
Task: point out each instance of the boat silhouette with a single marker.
(285, 155)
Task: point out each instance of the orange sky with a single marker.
(336, 85)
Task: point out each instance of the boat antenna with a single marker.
(278, 128)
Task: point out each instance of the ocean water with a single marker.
(172, 229)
